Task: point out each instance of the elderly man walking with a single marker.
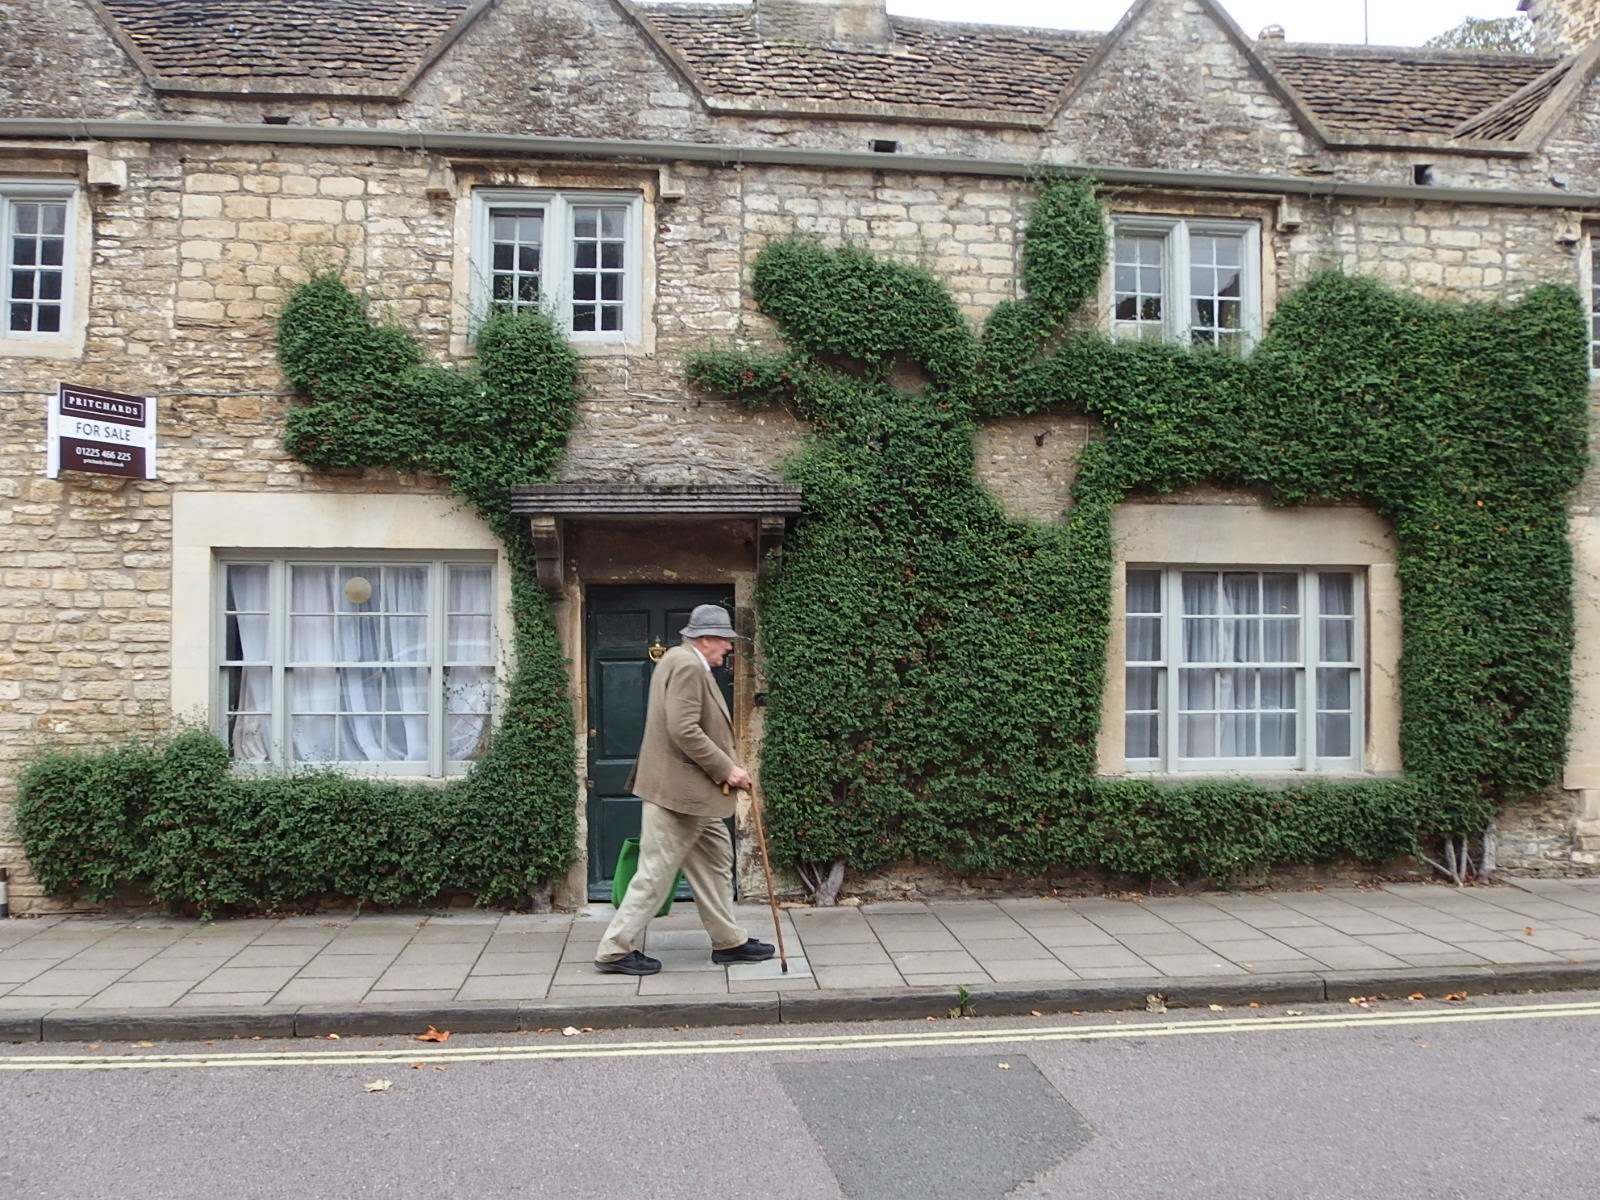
(685, 775)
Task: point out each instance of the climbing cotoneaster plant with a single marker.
(935, 667)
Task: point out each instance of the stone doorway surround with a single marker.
(589, 534)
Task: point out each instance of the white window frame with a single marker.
(279, 755)
(11, 192)
(1176, 234)
(557, 257)
(1306, 757)
(1591, 297)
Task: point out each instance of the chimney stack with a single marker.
(864, 22)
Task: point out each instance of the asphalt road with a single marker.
(1488, 1098)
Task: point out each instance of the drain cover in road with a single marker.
(949, 1128)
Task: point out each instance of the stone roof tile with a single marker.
(347, 41)
(1373, 92)
(939, 67)
(1510, 117)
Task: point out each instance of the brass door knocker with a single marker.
(656, 651)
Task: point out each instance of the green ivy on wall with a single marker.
(173, 822)
(935, 669)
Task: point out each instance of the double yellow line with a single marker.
(940, 1034)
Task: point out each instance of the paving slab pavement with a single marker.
(116, 976)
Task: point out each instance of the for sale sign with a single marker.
(103, 432)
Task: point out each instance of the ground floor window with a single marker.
(1240, 669)
(382, 662)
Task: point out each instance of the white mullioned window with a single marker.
(380, 664)
(577, 256)
(1244, 669)
(1592, 292)
(1186, 280)
(37, 227)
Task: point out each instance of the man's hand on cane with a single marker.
(739, 779)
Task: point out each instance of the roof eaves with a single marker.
(1436, 143)
(920, 114)
(296, 87)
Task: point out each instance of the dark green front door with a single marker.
(623, 624)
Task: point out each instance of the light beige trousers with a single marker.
(669, 842)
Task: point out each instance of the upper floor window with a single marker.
(1244, 670)
(1593, 291)
(1186, 280)
(385, 664)
(37, 226)
(576, 256)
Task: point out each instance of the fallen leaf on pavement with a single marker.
(418, 1066)
(1004, 1066)
(1155, 1003)
(96, 1045)
(1293, 1012)
(377, 1085)
(1255, 1004)
(1034, 1012)
(1455, 995)
(587, 1029)
(145, 1045)
(570, 1031)
(333, 1037)
(441, 1068)
(1416, 996)
(434, 1035)
(1527, 931)
(1214, 1007)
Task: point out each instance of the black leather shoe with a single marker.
(751, 951)
(634, 962)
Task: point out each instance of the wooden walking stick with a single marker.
(766, 869)
(766, 866)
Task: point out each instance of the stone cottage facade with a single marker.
(171, 169)
(1562, 25)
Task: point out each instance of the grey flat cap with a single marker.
(709, 620)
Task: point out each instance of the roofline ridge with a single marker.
(1441, 53)
(1082, 35)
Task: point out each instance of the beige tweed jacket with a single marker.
(688, 739)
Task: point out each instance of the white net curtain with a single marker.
(364, 670)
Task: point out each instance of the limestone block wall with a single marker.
(1562, 26)
(192, 256)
